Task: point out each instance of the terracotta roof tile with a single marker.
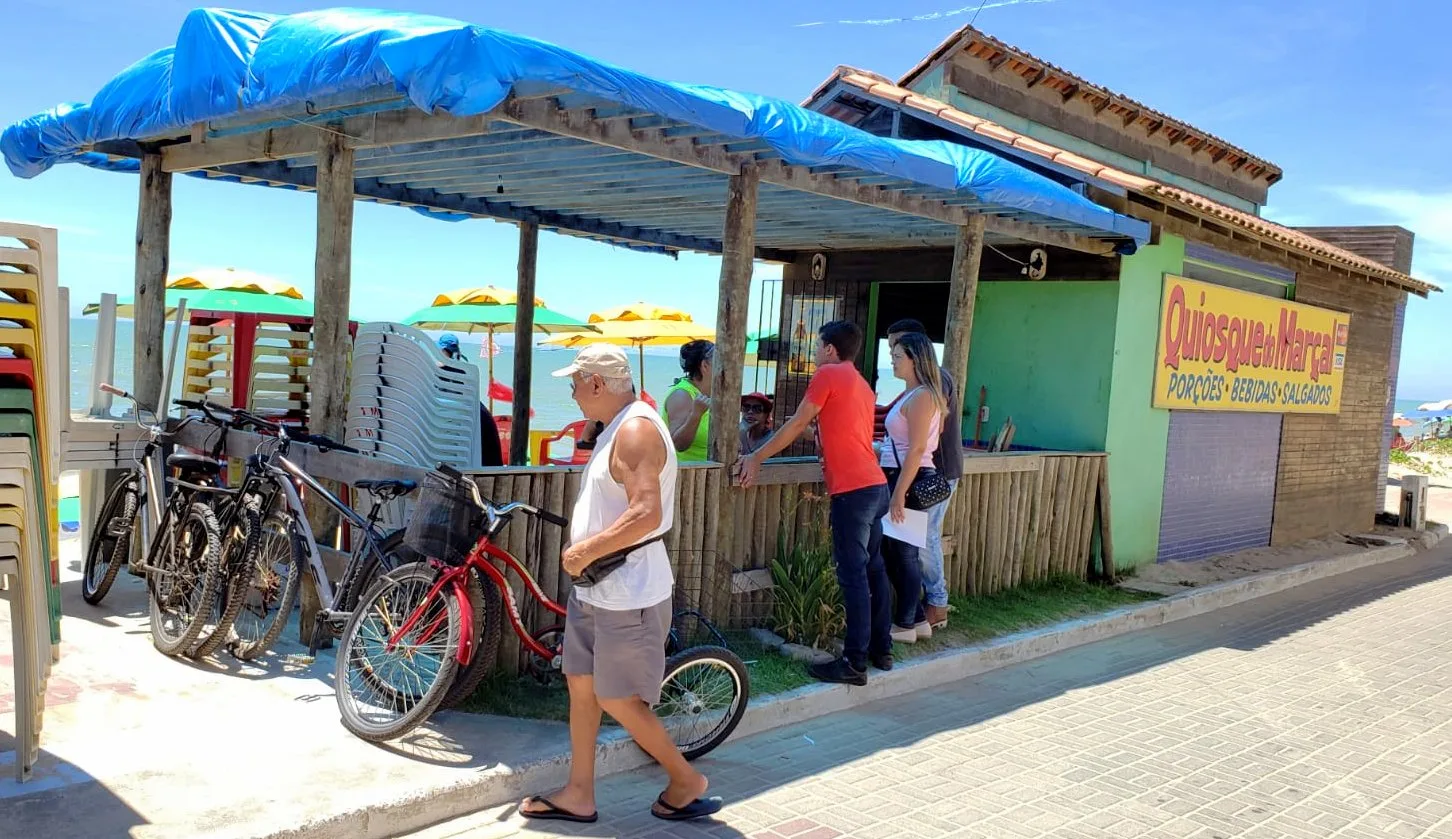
(1018, 60)
(1079, 162)
(873, 84)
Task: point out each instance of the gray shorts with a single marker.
(623, 650)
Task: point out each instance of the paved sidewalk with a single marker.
(1322, 711)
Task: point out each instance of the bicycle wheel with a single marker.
(385, 693)
(486, 603)
(110, 541)
(270, 592)
(703, 698)
(373, 566)
(239, 551)
(183, 575)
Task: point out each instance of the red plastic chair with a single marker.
(577, 457)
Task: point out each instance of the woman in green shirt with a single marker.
(688, 402)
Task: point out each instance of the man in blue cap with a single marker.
(493, 454)
(449, 344)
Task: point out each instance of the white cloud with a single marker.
(1428, 215)
(929, 16)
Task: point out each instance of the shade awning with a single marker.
(463, 120)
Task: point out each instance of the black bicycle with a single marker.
(268, 542)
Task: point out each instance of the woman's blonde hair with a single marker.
(919, 350)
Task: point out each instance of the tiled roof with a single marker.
(879, 87)
(1038, 72)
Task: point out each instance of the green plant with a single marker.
(807, 605)
(1402, 458)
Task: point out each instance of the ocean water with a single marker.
(553, 407)
(1408, 409)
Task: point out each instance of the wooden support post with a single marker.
(732, 301)
(153, 257)
(523, 343)
(962, 293)
(332, 284)
(332, 272)
(738, 247)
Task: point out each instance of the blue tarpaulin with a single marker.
(226, 64)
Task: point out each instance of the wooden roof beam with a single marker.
(653, 143)
(413, 126)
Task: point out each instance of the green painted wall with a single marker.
(1138, 433)
(1045, 352)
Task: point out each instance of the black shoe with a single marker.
(838, 671)
(881, 662)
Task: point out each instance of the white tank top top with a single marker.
(899, 436)
(645, 579)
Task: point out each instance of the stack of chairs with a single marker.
(409, 403)
(33, 397)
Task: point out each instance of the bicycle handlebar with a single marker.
(497, 511)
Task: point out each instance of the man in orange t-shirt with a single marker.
(842, 403)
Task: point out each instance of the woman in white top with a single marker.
(913, 426)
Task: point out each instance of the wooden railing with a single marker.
(1015, 518)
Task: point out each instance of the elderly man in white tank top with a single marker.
(618, 620)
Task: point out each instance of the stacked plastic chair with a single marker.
(32, 397)
(408, 402)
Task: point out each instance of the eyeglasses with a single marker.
(753, 408)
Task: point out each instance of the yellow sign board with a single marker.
(1226, 350)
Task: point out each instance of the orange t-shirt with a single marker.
(844, 428)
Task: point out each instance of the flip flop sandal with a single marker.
(698, 809)
(553, 813)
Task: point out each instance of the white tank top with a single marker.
(899, 437)
(645, 579)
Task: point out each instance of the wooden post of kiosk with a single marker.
(333, 280)
(153, 258)
(523, 343)
(738, 251)
(962, 292)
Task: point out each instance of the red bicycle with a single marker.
(425, 635)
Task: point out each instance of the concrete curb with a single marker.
(419, 809)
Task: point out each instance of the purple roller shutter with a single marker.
(1220, 483)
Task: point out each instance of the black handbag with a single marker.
(929, 488)
(605, 565)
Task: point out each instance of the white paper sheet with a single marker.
(913, 530)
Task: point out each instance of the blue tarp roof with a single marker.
(230, 64)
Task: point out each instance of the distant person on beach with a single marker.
(948, 460)
(755, 421)
(616, 627)
(491, 447)
(842, 401)
(688, 403)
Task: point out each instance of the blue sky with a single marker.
(1347, 97)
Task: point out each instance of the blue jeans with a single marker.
(934, 584)
(856, 521)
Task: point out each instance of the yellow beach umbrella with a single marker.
(638, 325)
(484, 295)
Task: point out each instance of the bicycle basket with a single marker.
(445, 523)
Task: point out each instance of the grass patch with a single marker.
(973, 620)
(519, 696)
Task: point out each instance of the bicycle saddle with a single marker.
(188, 462)
(386, 486)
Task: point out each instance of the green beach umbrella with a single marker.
(224, 290)
(489, 310)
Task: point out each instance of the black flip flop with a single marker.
(698, 809)
(553, 813)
